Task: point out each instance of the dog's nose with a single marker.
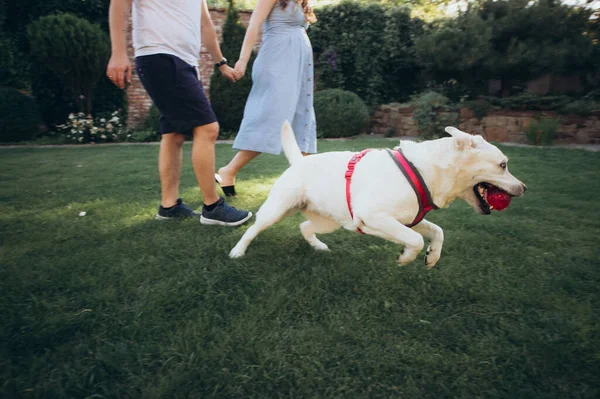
(524, 188)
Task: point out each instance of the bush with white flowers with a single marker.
(81, 128)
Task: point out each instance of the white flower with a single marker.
(102, 120)
(114, 119)
(82, 214)
(103, 137)
(80, 139)
(73, 131)
(71, 116)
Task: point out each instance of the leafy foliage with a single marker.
(432, 113)
(14, 70)
(228, 99)
(54, 99)
(542, 131)
(75, 50)
(530, 102)
(340, 113)
(479, 106)
(19, 116)
(511, 40)
(366, 49)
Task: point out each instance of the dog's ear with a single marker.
(464, 141)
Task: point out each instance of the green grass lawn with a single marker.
(116, 304)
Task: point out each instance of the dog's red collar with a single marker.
(410, 172)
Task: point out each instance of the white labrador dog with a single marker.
(383, 200)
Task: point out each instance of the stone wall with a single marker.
(498, 126)
(138, 101)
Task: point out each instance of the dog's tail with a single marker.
(288, 141)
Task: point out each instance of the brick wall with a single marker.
(138, 101)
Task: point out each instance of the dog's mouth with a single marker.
(491, 197)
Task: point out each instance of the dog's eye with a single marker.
(503, 165)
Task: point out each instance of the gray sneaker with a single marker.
(224, 215)
(178, 211)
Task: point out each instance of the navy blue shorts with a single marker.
(175, 89)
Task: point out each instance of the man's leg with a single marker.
(215, 211)
(169, 167)
(203, 160)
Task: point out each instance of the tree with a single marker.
(456, 49)
(75, 50)
(510, 40)
(228, 99)
(366, 49)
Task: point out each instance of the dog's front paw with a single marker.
(407, 256)
(432, 256)
(236, 253)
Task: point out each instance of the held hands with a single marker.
(240, 69)
(228, 72)
(234, 74)
(119, 70)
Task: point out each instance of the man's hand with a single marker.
(240, 69)
(119, 70)
(228, 72)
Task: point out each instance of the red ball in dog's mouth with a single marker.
(497, 199)
(492, 197)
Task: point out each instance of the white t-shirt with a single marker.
(168, 27)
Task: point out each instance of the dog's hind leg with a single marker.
(385, 226)
(436, 240)
(275, 208)
(317, 224)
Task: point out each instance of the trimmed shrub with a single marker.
(340, 113)
(542, 132)
(19, 116)
(479, 106)
(432, 114)
(53, 98)
(75, 50)
(228, 99)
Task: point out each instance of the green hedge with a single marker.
(54, 100)
(340, 113)
(19, 116)
(366, 49)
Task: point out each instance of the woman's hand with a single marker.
(240, 69)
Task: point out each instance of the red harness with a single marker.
(411, 174)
